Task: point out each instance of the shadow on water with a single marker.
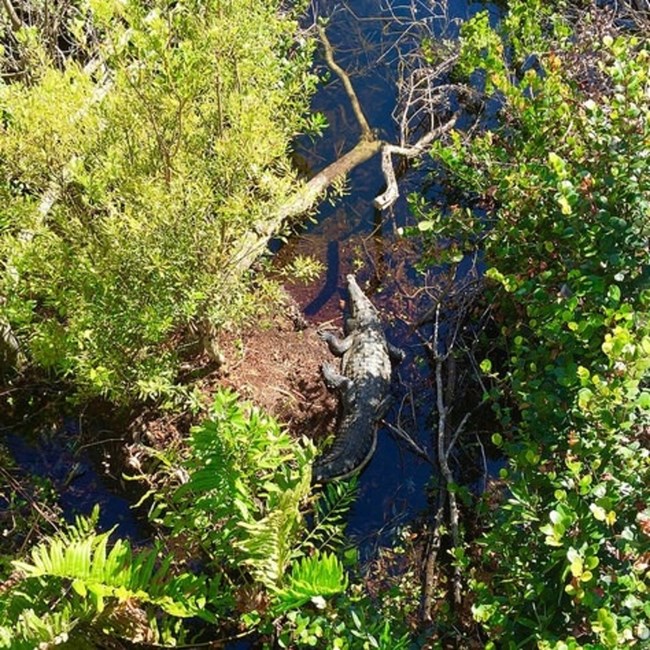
(79, 477)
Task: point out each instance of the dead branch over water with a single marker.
(449, 349)
(309, 195)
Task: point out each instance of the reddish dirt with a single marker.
(277, 367)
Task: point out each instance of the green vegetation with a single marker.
(240, 511)
(134, 164)
(563, 561)
(131, 172)
(98, 586)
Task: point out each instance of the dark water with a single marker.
(352, 236)
(78, 475)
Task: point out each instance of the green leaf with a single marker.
(557, 164)
(643, 401)
(599, 513)
(614, 293)
(312, 579)
(564, 204)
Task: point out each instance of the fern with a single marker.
(312, 579)
(268, 545)
(39, 629)
(78, 564)
(247, 481)
(95, 572)
(329, 522)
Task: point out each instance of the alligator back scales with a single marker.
(363, 386)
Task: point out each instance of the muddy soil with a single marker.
(277, 367)
(274, 365)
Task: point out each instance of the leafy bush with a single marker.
(246, 502)
(127, 186)
(564, 560)
(246, 545)
(73, 587)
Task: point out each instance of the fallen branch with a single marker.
(366, 131)
(254, 242)
(385, 200)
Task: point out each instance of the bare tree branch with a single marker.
(443, 461)
(366, 131)
(16, 23)
(391, 194)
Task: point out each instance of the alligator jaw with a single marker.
(363, 311)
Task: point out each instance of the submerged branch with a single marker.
(366, 131)
(417, 450)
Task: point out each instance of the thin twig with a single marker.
(417, 450)
(485, 465)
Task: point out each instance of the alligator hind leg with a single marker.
(344, 385)
(338, 347)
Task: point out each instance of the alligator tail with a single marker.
(346, 458)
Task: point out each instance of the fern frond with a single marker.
(312, 579)
(247, 480)
(329, 522)
(118, 573)
(32, 628)
(267, 545)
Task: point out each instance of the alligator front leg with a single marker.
(338, 347)
(344, 385)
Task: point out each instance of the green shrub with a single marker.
(564, 559)
(126, 191)
(73, 588)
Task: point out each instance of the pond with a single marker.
(349, 235)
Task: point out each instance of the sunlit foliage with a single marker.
(564, 561)
(129, 172)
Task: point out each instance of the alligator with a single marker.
(363, 386)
